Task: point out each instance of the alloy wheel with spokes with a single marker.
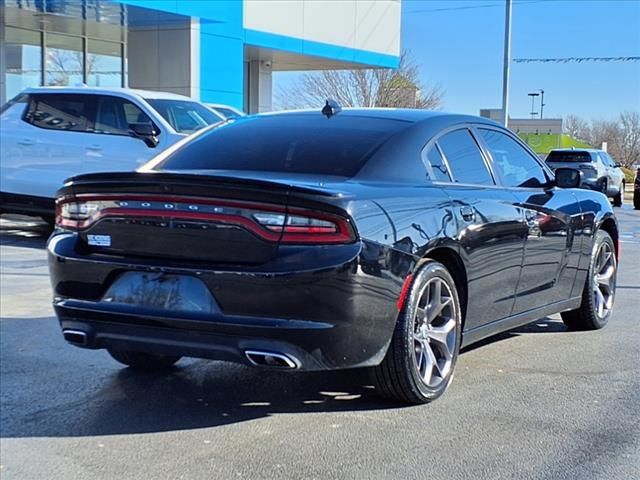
(600, 287)
(420, 361)
(434, 332)
(604, 280)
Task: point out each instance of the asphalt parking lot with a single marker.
(538, 402)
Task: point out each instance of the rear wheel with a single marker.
(599, 289)
(617, 199)
(603, 185)
(419, 364)
(143, 360)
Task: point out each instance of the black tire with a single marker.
(51, 222)
(143, 360)
(588, 316)
(604, 186)
(617, 199)
(399, 377)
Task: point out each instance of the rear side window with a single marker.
(301, 143)
(464, 158)
(568, 156)
(438, 171)
(60, 112)
(512, 163)
(114, 115)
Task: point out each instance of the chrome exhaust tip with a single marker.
(76, 337)
(271, 359)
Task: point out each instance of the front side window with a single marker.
(511, 161)
(464, 158)
(60, 112)
(115, 115)
(184, 116)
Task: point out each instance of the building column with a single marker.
(260, 91)
(165, 57)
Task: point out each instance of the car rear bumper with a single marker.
(329, 315)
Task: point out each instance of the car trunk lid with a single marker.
(197, 217)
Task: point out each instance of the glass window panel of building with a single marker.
(104, 63)
(64, 60)
(23, 60)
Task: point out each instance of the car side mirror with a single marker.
(145, 132)
(568, 178)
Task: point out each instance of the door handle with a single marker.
(26, 142)
(94, 148)
(468, 213)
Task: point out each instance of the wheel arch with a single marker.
(609, 225)
(454, 264)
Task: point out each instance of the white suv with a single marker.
(599, 170)
(49, 134)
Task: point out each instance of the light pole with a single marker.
(506, 63)
(541, 102)
(533, 106)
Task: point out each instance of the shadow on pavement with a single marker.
(83, 393)
(544, 325)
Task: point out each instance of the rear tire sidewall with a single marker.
(430, 270)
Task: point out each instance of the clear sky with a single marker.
(459, 44)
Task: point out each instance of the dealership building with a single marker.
(217, 51)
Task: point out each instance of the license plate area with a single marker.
(161, 292)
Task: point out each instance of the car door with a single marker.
(551, 216)
(491, 232)
(50, 143)
(615, 174)
(111, 146)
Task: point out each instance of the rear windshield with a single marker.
(307, 144)
(184, 116)
(569, 157)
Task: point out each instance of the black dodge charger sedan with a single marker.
(312, 240)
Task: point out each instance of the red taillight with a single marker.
(270, 222)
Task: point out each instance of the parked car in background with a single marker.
(599, 171)
(225, 111)
(48, 134)
(636, 190)
(372, 238)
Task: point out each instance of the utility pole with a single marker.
(533, 105)
(541, 102)
(507, 63)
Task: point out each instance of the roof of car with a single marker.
(590, 150)
(147, 94)
(412, 115)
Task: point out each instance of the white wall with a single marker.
(371, 25)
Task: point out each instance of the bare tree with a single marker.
(576, 127)
(622, 135)
(376, 87)
(629, 138)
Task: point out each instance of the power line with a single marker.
(576, 59)
(472, 7)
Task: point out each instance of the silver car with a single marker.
(600, 172)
